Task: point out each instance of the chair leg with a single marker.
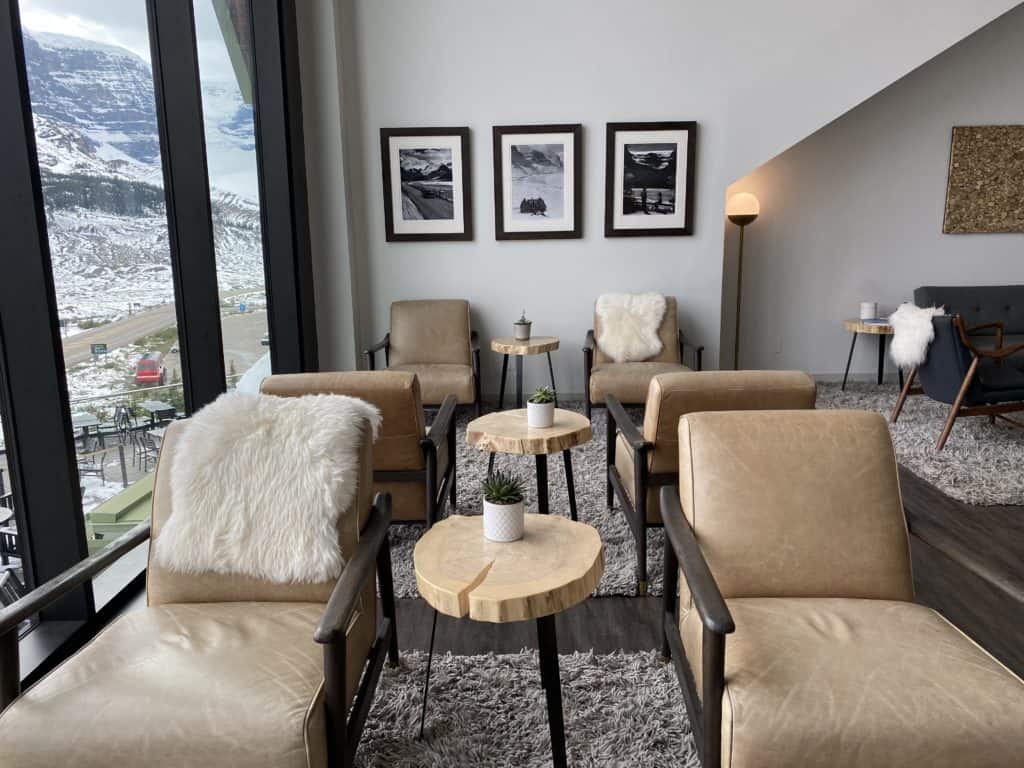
(902, 399)
(586, 405)
(954, 410)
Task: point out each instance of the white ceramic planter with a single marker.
(522, 331)
(540, 415)
(503, 522)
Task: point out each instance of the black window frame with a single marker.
(33, 387)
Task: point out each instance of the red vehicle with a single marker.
(150, 369)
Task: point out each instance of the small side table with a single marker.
(857, 327)
(556, 565)
(508, 432)
(535, 345)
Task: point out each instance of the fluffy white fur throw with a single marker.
(912, 334)
(258, 485)
(629, 325)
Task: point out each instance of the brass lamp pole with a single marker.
(742, 209)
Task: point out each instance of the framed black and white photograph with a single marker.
(426, 184)
(538, 171)
(649, 179)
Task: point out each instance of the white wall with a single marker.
(854, 212)
(756, 76)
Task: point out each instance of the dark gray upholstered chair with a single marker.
(969, 366)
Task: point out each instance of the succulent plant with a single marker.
(542, 395)
(522, 319)
(503, 488)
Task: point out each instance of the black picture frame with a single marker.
(464, 173)
(612, 199)
(501, 232)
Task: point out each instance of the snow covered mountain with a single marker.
(99, 159)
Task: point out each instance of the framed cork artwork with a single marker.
(985, 191)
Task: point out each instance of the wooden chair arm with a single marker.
(589, 343)
(1000, 352)
(371, 352)
(698, 351)
(345, 597)
(630, 431)
(441, 425)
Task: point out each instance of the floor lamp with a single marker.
(742, 209)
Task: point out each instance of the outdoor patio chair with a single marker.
(217, 669)
(432, 338)
(93, 464)
(794, 628)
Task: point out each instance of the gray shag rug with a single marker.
(589, 473)
(982, 463)
(620, 709)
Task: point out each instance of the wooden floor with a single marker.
(967, 564)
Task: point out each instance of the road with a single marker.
(429, 207)
(119, 333)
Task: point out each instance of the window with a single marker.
(12, 572)
(225, 70)
(93, 106)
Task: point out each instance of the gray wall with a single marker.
(492, 62)
(854, 212)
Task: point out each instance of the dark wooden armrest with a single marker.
(441, 424)
(629, 430)
(48, 593)
(711, 607)
(371, 352)
(999, 352)
(474, 340)
(698, 350)
(985, 326)
(346, 592)
(380, 344)
(589, 343)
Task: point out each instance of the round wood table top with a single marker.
(507, 432)
(860, 326)
(556, 565)
(534, 345)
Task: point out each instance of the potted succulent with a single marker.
(540, 408)
(522, 327)
(503, 507)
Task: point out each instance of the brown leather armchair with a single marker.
(432, 338)
(416, 466)
(793, 544)
(217, 669)
(643, 460)
(628, 382)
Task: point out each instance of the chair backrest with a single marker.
(978, 304)
(430, 331)
(166, 586)
(395, 393)
(796, 503)
(668, 332)
(945, 366)
(672, 395)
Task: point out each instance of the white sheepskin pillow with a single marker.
(628, 331)
(913, 333)
(258, 485)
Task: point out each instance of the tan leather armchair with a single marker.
(416, 466)
(790, 531)
(641, 460)
(217, 669)
(628, 382)
(433, 339)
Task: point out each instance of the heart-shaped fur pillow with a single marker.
(628, 331)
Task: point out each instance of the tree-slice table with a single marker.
(881, 330)
(508, 432)
(556, 565)
(535, 345)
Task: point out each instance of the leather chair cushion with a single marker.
(214, 684)
(841, 683)
(629, 382)
(672, 395)
(395, 393)
(409, 499)
(668, 332)
(796, 503)
(430, 331)
(166, 586)
(438, 380)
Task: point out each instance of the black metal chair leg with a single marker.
(490, 465)
(881, 358)
(552, 684)
(501, 387)
(551, 371)
(542, 483)
(570, 483)
(426, 681)
(849, 359)
(519, 381)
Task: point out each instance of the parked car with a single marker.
(150, 369)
